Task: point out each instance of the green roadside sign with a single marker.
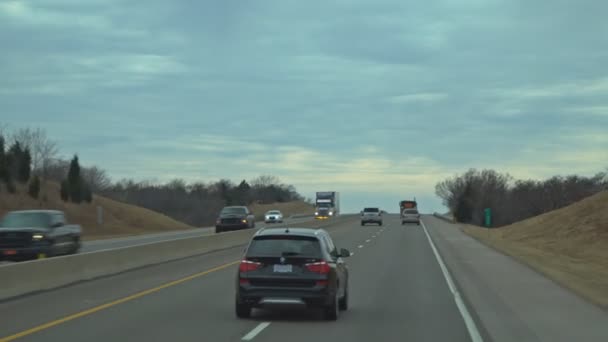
(487, 217)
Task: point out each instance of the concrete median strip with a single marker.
(39, 275)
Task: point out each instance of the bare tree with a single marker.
(96, 178)
(264, 181)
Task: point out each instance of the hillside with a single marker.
(570, 245)
(120, 219)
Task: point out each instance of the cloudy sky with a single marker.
(376, 99)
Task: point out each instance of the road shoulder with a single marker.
(512, 301)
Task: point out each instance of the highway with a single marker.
(398, 293)
(408, 283)
(97, 245)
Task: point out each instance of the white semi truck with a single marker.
(327, 204)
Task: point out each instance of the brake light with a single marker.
(322, 282)
(243, 281)
(248, 266)
(321, 267)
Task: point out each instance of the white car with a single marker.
(273, 216)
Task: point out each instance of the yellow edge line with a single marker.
(111, 304)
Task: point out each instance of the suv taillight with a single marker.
(321, 267)
(248, 266)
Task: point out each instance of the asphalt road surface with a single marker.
(398, 292)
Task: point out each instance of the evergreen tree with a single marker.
(75, 181)
(24, 167)
(13, 160)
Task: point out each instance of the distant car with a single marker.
(371, 215)
(273, 216)
(410, 216)
(286, 267)
(31, 234)
(234, 218)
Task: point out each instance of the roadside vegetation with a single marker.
(30, 164)
(512, 200)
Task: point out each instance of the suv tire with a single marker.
(243, 310)
(332, 311)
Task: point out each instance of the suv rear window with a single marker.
(281, 245)
(371, 210)
(410, 211)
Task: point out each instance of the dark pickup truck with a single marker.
(31, 234)
(234, 218)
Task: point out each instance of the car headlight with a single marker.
(316, 213)
(331, 213)
(244, 221)
(38, 237)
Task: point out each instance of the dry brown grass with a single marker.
(287, 208)
(569, 245)
(120, 219)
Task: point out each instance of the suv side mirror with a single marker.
(344, 253)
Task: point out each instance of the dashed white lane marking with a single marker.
(352, 253)
(464, 312)
(253, 333)
(360, 246)
(373, 236)
(368, 240)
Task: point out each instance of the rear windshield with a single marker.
(274, 212)
(371, 210)
(25, 220)
(276, 246)
(410, 211)
(234, 210)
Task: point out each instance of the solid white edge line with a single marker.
(464, 312)
(253, 333)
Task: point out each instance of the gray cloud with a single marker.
(518, 85)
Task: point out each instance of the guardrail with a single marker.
(445, 218)
(39, 275)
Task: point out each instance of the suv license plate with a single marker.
(283, 268)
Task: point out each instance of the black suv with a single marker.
(292, 267)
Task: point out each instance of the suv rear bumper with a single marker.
(311, 297)
(410, 220)
(371, 219)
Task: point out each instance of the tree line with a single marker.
(512, 200)
(198, 203)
